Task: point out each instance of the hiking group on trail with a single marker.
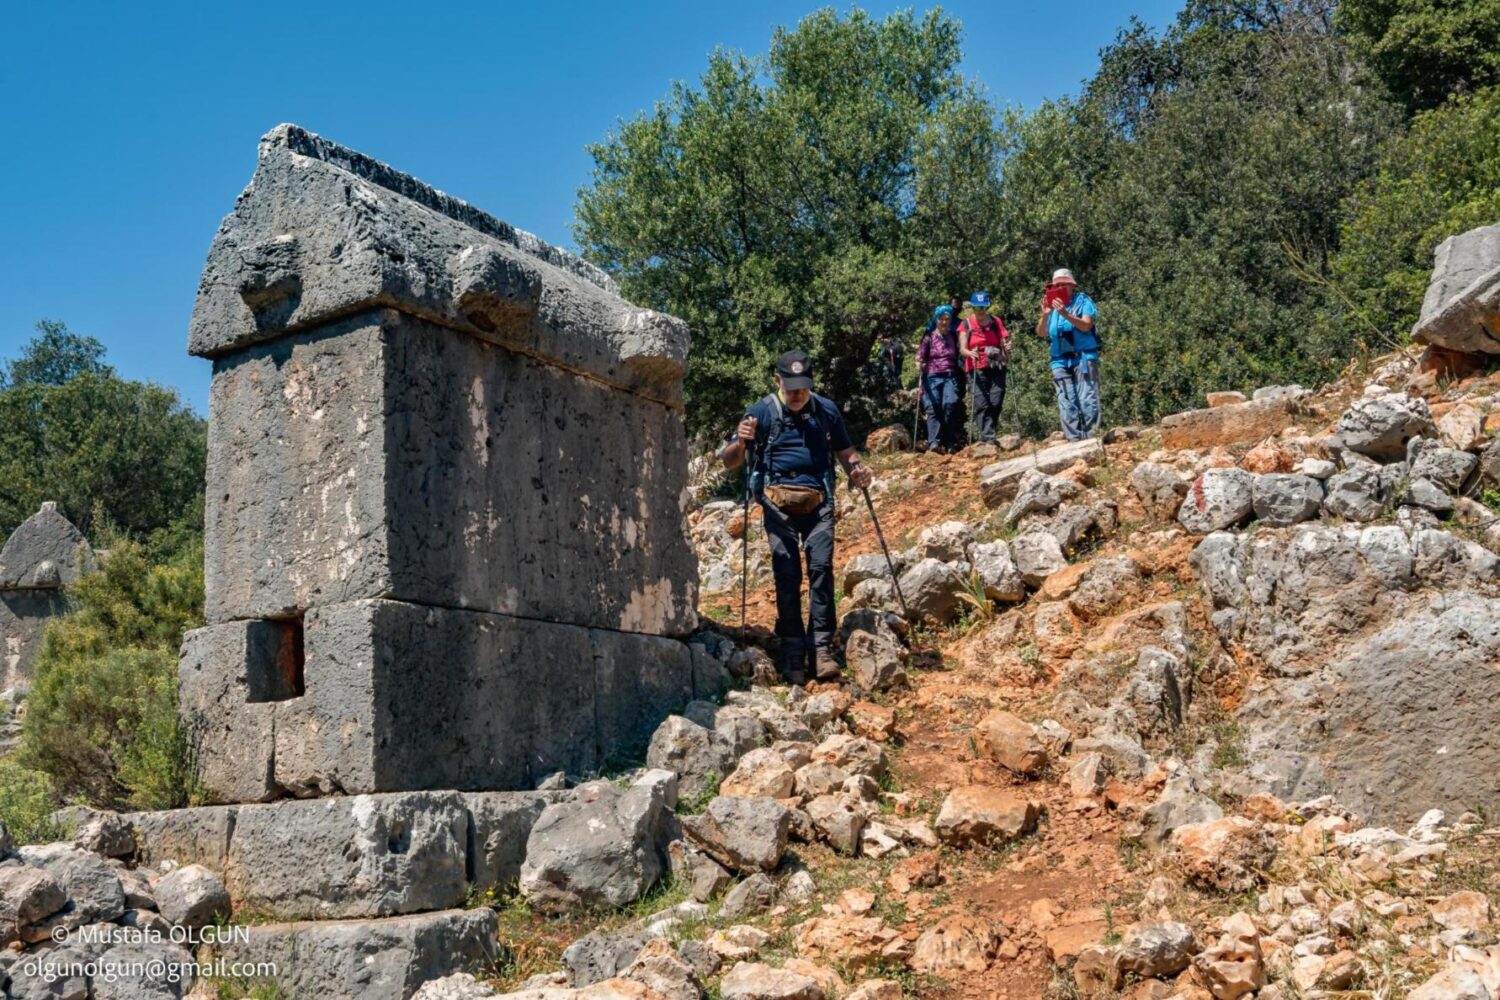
(790, 440)
(970, 357)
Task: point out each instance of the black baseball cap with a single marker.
(795, 369)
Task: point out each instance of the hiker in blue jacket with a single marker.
(1069, 321)
(794, 437)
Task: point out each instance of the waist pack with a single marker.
(794, 500)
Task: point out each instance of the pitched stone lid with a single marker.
(296, 139)
(45, 552)
(324, 235)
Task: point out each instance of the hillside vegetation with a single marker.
(1252, 196)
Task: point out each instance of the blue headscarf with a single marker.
(940, 310)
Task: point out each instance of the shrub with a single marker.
(101, 720)
(27, 800)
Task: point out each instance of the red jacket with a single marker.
(982, 335)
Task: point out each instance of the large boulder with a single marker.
(746, 835)
(886, 439)
(1151, 951)
(875, 660)
(601, 955)
(1357, 631)
(1229, 854)
(998, 482)
(1461, 310)
(27, 895)
(1039, 493)
(192, 896)
(698, 755)
(956, 945)
(757, 981)
(870, 566)
(1160, 488)
(1011, 742)
(1281, 499)
(1357, 494)
(1381, 426)
(761, 773)
(95, 892)
(838, 820)
(931, 589)
(993, 564)
(945, 542)
(1447, 468)
(1037, 554)
(599, 848)
(979, 814)
(1218, 499)
(1106, 585)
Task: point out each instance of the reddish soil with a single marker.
(1073, 861)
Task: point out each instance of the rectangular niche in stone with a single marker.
(446, 474)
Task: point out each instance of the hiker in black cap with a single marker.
(794, 436)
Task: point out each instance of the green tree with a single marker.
(819, 196)
(55, 356)
(1442, 177)
(103, 447)
(1427, 50)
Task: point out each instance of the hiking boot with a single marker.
(790, 663)
(825, 666)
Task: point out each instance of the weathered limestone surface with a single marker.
(44, 554)
(499, 823)
(384, 959)
(443, 699)
(447, 465)
(324, 231)
(1224, 425)
(998, 482)
(386, 456)
(1461, 311)
(350, 856)
(1377, 648)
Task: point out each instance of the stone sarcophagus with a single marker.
(445, 542)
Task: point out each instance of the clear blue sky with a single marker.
(131, 127)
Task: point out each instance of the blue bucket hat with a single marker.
(980, 300)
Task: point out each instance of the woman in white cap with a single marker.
(1069, 322)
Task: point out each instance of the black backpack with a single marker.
(773, 434)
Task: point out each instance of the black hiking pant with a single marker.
(792, 535)
(989, 397)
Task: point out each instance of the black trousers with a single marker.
(792, 535)
(989, 397)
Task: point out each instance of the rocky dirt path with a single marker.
(1063, 887)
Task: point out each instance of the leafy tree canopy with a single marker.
(815, 197)
(55, 356)
(1427, 50)
(108, 450)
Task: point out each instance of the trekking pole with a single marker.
(883, 548)
(745, 539)
(916, 418)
